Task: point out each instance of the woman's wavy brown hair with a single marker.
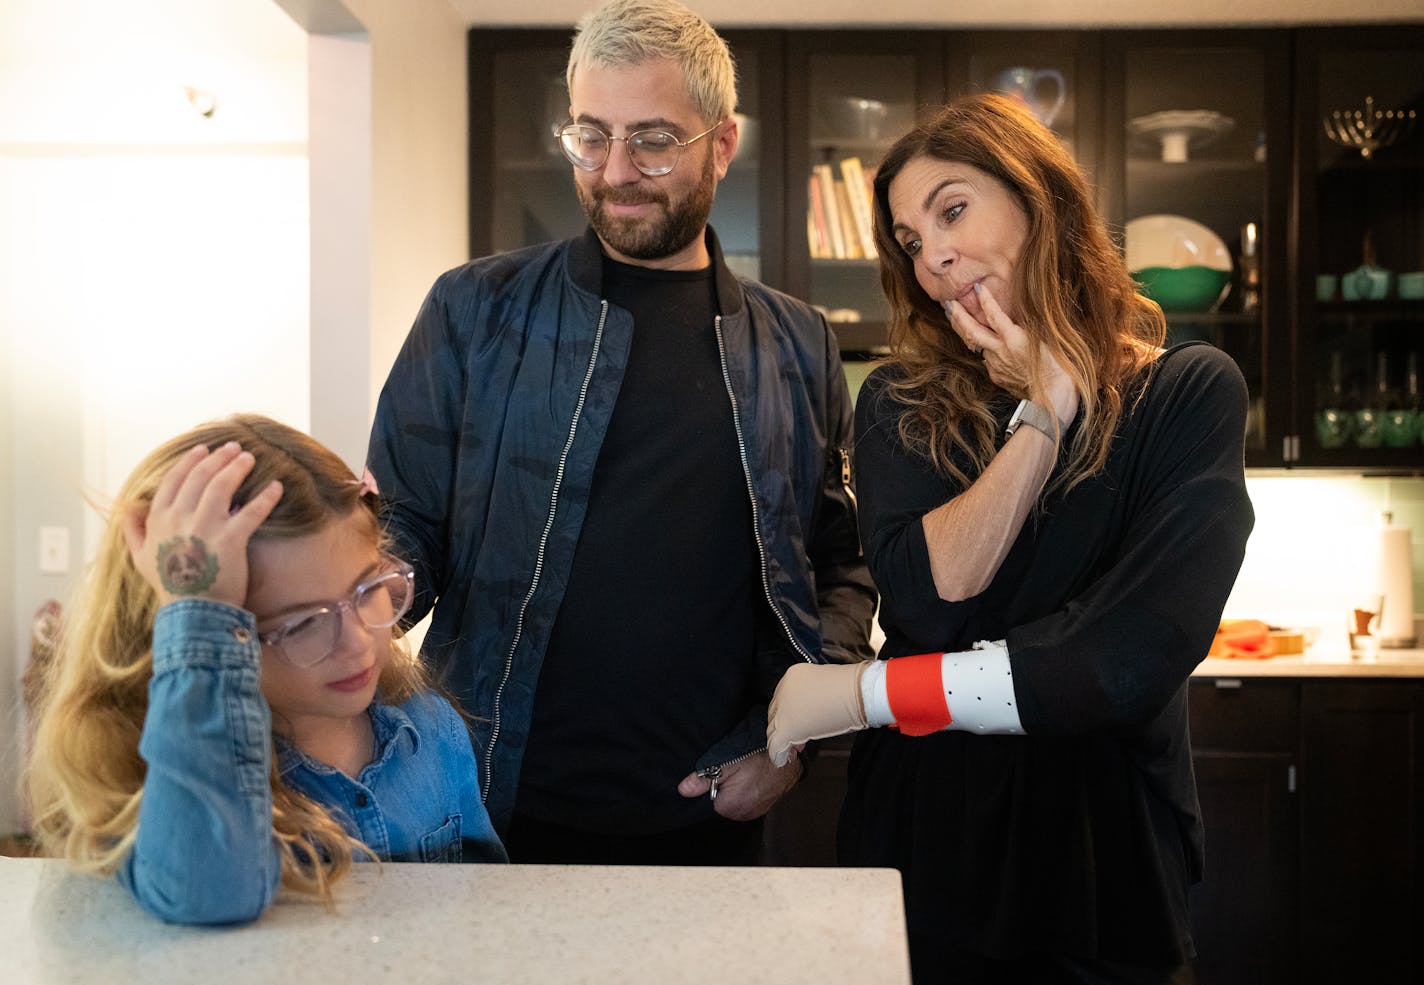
(1073, 289)
(86, 777)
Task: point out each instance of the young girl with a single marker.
(229, 709)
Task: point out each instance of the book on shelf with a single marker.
(859, 192)
(827, 186)
(850, 235)
(818, 238)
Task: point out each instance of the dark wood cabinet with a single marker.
(1244, 752)
(1362, 832)
(1249, 159)
(1359, 263)
(1311, 794)
(849, 96)
(1195, 144)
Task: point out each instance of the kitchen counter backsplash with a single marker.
(1315, 546)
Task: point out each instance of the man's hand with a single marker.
(745, 790)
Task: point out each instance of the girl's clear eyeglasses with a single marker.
(653, 152)
(306, 638)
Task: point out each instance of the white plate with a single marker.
(1179, 131)
(1173, 241)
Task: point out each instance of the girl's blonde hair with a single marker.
(86, 776)
(1075, 295)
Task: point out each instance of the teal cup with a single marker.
(1369, 429)
(1366, 283)
(1333, 427)
(1399, 427)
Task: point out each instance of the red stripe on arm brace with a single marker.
(915, 688)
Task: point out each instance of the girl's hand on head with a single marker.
(190, 542)
(1008, 352)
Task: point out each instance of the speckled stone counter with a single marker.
(466, 924)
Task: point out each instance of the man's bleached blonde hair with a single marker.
(630, 32)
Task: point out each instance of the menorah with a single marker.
(1367, 130)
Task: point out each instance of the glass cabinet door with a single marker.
(1198, 129)
(849, 97)
(739, 214)
(1361, 128)
(523, 184)
(1057, 75)
(517, 172)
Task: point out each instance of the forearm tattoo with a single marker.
(185, 567)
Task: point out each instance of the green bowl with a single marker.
(1194, 288)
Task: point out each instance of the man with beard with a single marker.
(622, 475)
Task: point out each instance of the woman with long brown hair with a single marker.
(1054, 509)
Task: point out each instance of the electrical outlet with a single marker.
(54, 550)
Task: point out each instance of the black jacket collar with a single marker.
(586, 269)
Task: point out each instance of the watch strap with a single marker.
(1036, 416)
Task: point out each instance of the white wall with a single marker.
(154, 264)
(420, 190)
(407, 143)
(155, 261)
(339, 155)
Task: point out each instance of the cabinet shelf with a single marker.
(1365, 314)
(863, 338)
(854, 263)
(1202, 167)
(1221, 318)
(1384, 461)
(833, 148)
(1378, 162)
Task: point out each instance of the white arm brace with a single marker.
(978, 686)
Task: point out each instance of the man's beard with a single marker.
(661, 236)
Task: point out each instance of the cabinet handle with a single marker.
(1228, 683)
(1290, 778)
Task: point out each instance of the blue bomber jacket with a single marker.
(484, 446)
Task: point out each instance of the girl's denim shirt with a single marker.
(205, 851)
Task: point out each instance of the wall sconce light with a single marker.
(204, 102)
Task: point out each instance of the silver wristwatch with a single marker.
(1036, 416)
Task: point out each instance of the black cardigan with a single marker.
(1081, 837)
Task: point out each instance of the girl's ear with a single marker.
(134, 523)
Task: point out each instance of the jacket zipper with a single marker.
(488, 778)
(751, 494)
(846, 478)
(714, 773)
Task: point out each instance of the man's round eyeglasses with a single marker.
(653, 152)
(306, 638)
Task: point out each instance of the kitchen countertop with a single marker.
(1326, 658)
(467, 924)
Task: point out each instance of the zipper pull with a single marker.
(846, 477)
(713, 773)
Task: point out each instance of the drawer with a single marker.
(1244, 713)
